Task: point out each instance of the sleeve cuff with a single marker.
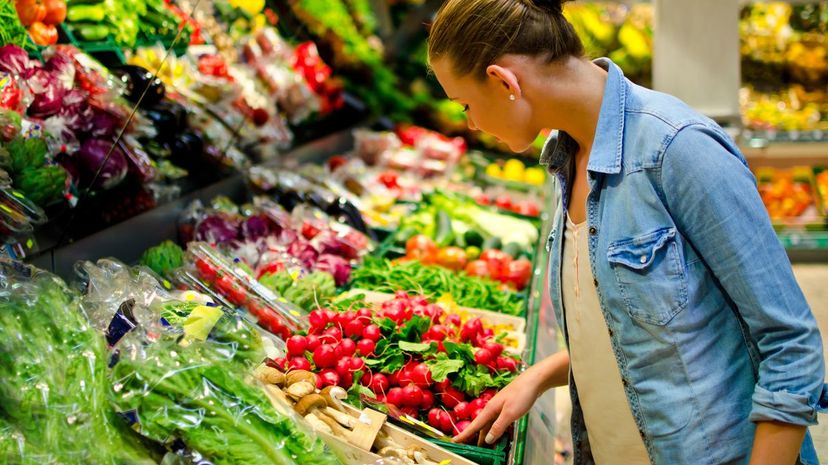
(786, 407)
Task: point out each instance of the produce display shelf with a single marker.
(127, 240)
(805, 246)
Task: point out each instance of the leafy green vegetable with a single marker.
(163, 258)
(434, 281)
(53, 398)
(308, 292)
(415, 347)
(474, 379)
(196, 394)
(26, 153)
(277, 282)
(42, 185)
(442, 366)
(357, 390)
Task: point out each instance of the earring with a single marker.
(512, 97)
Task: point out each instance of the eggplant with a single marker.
(138, 80)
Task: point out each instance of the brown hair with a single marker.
(475, 33)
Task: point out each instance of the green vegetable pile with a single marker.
(473, 292)
(11, 30)
(198, 395)
(163, 258)
(54, 396)
(307, 292)
(26, 162)
(127, 21)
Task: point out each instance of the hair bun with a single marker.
(555, 6)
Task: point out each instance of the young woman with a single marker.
(687, 335)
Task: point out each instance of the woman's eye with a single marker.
(465, 108)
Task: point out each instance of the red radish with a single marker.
(483, 356)
(330, 315)
(411, 412)
(471, 329)
(364, 315)
(442, 386)
(493, 347)
(462, 410)
(446, 423)
(347, 347)
(420, 301)
(312, 342)
(318, 319)
(487, 332)
(299, 363)
(296, 345)
(421, 375)
(452, 396)
(488, 394)
(346, 380)
(460, 426)
(357, 364)
(401, 295)
(327, 377)
(503, 201)
(482, 199)
(412, 396)
(343, 366)
(279, 363)
(434, 417)
(342, 319)
(367, 377)
(366, 347)
(324, 356)
(506, 363)
(382, 398)
(395, 397)
(354, 328)
(428, 400)
(332, 334)
(476, 404)
(379, 384)
(476, 413)
(454, 319)
(372, 332)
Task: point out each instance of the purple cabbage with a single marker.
(255, 227)
(330, 243)
(48, 94)
(91, 157)
(336, 266)
(14, 60)
(62, 67)
(304, 252)
(216, 229)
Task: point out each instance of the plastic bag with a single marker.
(370, 146)
(54, 397)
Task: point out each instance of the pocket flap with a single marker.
(639, 252)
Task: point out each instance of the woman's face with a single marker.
(488, 106)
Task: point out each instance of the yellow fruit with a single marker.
(514, 164)
(494, 171)
(534, 176)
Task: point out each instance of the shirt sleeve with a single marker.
(712, 196)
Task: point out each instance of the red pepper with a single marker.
(43, 34)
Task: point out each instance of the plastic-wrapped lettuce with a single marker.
(54, 406)
(198, 395)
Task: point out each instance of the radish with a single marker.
(493, 347)
(366, 347)
(476, 404)
(401, 295)
(411, 412)
(446, 423)
(394, 378)
(324, 356)
(428, 400)
(318, 319)
(327, 377)
(452, 396)
(421, 375)
(346, 348)
(279, 363)
(343, 366)
(483, 356)
(460, 426)
(330, 316)
(454, 320)
(379, 384)
(312, 342)
(412, 395)
(488, 395)
(476, 413)
(372, 332)
(332, 334)
(419, 301)
(462, 410)
(441, 386)
(506, 363)
(346, 380)
(434, 417)
(364, 315)
(296, 345)
(395, 397)
(357, 364)
(299, 363)
(354, 328)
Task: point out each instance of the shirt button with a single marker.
(641, 432)
(643, 259)
(595, 282)
(611, 333)
(593, 230)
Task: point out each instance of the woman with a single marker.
(689, 340)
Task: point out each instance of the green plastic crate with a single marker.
(479, 455)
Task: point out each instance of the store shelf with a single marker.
(127, 240)
(806, 246)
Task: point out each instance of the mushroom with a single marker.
(333, 396)
(297, 376)
(270, 375)
(301, 389)
(314, 405)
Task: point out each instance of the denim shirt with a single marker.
(709, 327)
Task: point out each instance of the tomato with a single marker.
(478, 268)
(453, 258)
(497, 262)
(55, 12)
(30, 11)
(527, 208)
(483, 199)
(519, 272)
(43, 34)
(421, 247)
(503, 201)
(207, 271)
(389, 179)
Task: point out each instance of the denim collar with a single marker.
(609, 134)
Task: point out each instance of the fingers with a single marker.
(499, 427)
(490, 412)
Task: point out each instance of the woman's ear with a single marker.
(504, 79)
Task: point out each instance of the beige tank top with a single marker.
(613, 434)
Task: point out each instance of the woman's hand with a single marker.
(517, 398)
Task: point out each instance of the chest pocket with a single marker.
(651, 275)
